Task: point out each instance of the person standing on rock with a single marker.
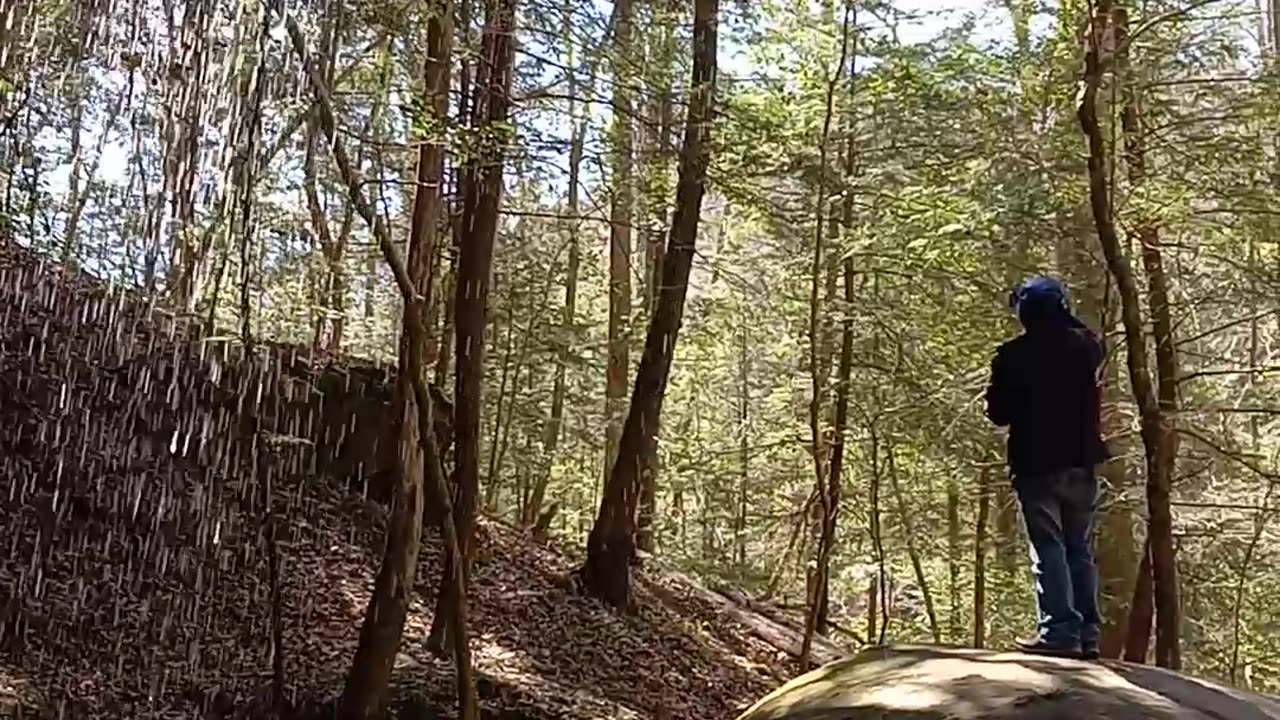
(1044, 388)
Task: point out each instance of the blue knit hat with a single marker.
(1040, 301)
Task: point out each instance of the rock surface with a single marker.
(931, 683)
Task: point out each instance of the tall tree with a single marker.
(606, 573)
(482, 185)
(1161, 429)
(620, 219)
(532, 509)
(657, 185)
(388, 606)
(1155, 434)
(822, 440)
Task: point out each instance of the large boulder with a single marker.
(932, 683)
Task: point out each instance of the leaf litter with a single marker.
(135, 582)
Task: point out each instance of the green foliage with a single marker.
(967, 175)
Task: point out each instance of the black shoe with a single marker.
(1040, 647)
(1089, 651)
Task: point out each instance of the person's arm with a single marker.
(999, 392)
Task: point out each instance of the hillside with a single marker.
(135, 583)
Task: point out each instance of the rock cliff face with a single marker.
(931, 683)
(98, 372)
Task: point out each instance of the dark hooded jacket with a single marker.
(1044, 387)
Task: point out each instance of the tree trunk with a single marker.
(551, 433)
(877, 535)
(913, 552)
(953, 561)
(657, 191)
(1275, 28)
(1138, 637)
(492, 485)
(819, 362)
(1154, 432)
(611, 543)
(620, 217)
(980, 561)
(834, 489)
(873, 609)
(311, 193)
(744, 452)
(1159, 433)
(483, 196)
(384, 620)
(257, 378)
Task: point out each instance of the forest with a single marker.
(708, 286)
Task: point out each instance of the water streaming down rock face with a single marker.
(130, 505)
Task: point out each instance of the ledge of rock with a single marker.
(933, 683)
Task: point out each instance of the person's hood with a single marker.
(1041, 304)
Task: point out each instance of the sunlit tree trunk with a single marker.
(606, 573)
(819, 356)
(1155, 433)
(620, 220)
(573, 224)
(483, 196)
(657, 191)
(384, 619)
(1159, 431)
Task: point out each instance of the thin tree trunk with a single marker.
(873, 608)
(328, 329)
(483, 197)
(1158, 432)
(797, 533)
(658, 186)
(980, 561)
(519, 359)
(504, 377)
(877, 536)
(1154, 432)
(1237, 606)
(744, 451)
(1275, 28)
(551, 433)
(816, 585)
(953, 560)
(384, 620)
(80, 197)
(1138, 634)
(834, 489)
(75, 150)
(251, 422)
(620, 218)
(611, 543)
(913, 552)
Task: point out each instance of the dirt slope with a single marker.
(134, 582)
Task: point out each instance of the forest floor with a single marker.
(541, 650)
(134, 580)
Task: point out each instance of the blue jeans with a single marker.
(1058, 509)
